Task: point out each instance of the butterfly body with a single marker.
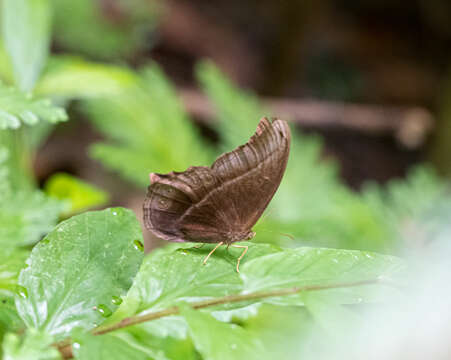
(221, 203)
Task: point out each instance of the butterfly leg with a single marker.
(212, 251)
(241, 256)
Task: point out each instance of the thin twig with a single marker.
(65, 345)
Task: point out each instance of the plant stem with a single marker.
(65, 345)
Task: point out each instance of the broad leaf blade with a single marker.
(26, 32)
(167, 278)
(79, 271)
(315, 266)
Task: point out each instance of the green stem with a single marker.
(65, 345)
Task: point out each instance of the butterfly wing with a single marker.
(222, 202)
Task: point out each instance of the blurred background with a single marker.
(155, 86)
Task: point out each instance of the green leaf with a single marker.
(11, 262)
(35, 345)
(116, 346)
(75, 78)
(149, 130)
(216, 340)
(26, 33)
(25, 216)
(315, 266)
(166, 278)
(18, 108)
(78, 193)
(77, 274)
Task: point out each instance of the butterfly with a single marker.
(220, 204)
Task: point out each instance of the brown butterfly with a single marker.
(220, 204)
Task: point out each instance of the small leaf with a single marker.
(34, 346)
(17, 108)
(83, 263)
(78, 193)
(26, 33)
(216, 340)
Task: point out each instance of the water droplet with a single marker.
(233, 346)
(114, 213)
(183, 251)
(359, 300)
(116, 300)
(138, 245)
(21, 291)
(76, 345)
(103, 310)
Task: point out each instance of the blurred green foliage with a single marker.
(87, 270)
(136, 120)
(107, 29)
(80, 195)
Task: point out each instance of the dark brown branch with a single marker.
(65, 345)
(409, 125)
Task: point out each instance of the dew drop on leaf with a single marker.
(103, 310)
(21, 291)
(116, 300)
(138, 245)
(76, 345)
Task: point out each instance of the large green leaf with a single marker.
(216, 340)
(18, 108)
(77, 274)
(26, 33)
(166, 278)
(35, 345)
(315, 266)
